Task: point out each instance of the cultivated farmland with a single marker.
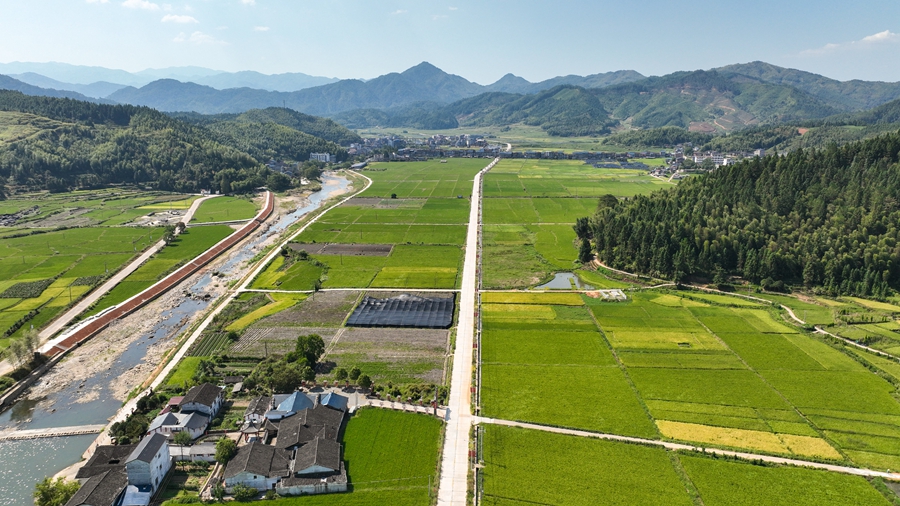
(715, 375)
(530, 207)
(524, 466)
(415, 211)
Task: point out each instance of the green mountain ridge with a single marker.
(851, 95)
(60, 144)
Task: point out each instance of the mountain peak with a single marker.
(423, 69)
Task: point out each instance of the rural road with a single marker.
(678, 446)
(453, 486)
(81, 306)
(128, 407)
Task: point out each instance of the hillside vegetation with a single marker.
(826, 219)
(59, 144)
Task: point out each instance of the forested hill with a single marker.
(325, 128)
(826, 219)
(60, 144)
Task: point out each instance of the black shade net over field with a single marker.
(404, 311)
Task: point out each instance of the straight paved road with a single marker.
(455, 459)
(679, 446)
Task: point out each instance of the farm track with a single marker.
(869, 473)
(93, 327)
(131, 405)
(82, 305)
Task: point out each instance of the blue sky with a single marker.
(479, 40)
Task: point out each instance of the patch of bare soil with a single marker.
(351, 249)
(266, 341)
(322, 309)
(66, 218)
(393, 354)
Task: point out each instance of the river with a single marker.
(25, 462)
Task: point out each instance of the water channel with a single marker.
(564, 281)
(25, 462)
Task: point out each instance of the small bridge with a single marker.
(51, 432)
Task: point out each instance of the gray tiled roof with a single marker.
(292, 432)
(333, 400)
(204, 394)
(101, 490)
(258, 406)
(297, 401)
(260, 459)
(105, 458)
(318, 452)
(147, 448)
(316, 479)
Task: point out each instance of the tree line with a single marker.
(824, 218)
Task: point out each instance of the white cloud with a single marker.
(97, 1)
(438, 16)
(399, 11)
(260, 28)
(175, 18)
(248, 2)
(167, 7)
(879, 38)
(454, 8)
(198, 38)
(140, 4)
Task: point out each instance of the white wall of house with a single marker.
(142, 473)
(318, 488)
(314, 469)
(256, 481)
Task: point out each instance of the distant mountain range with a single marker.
(99, 82)
(724, 99)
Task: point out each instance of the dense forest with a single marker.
(828, 219)
(324, 128)
(61, 144)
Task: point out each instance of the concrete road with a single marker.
(455, 459)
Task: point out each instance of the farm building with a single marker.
(258, 466)
(205, 399)
(307, 430)
(146, 467)
(170, 424)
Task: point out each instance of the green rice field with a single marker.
(185, 247)
(529, 208)
(733, 377)
(425, 227)
(526, 467)
(225, 209)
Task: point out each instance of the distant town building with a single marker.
(322, 157)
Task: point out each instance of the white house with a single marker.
(205, 399)
(146, 467)
(169, 424)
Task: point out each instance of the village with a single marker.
(287, 444)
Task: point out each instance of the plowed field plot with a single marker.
(321, 309)
(264, 341)
(396, 355)
(365, 250)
